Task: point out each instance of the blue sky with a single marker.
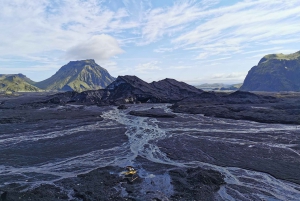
(208, 41)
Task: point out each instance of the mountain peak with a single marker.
(132, 79)
(280, 56)
(78, 76)
(87, 61)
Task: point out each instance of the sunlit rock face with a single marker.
(275, 72)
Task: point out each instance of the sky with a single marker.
(204, 41)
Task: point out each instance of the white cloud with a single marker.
(202, 55)
(147, 67)
(180, 67)
(229, 76)
(263, 50)
(284, 41)
(137, 8)
(45, 31)
(214, 64)
(209, 3)
(99, 47)
(218, 59)
(38, 68)
(29, 27)
(163, 50)
(234, 28)
(168, 21)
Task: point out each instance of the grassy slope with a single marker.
(78, 76)
(17, 82)
(275, 72)
(293, 56)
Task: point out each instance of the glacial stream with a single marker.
(144, 135)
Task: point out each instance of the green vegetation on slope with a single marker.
(78, 76)
(293, 56)
(275, 72)
(16, 83)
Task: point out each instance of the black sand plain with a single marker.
(77, 152)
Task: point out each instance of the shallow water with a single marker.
(45, 156)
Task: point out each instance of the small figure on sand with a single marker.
(131, 173)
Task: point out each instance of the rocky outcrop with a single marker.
(195, 183)
(78, 76)
(131, 89)
(244, 97)
(122, 107)
(172, 90)
(246, 106)
(274, 72)
(237, 97)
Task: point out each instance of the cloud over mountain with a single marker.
(100, 47)
(174, 33)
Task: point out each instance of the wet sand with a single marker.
(77, 152)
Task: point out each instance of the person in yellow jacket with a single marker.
(131, 172)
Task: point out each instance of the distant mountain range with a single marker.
(75, 76)
(219, 86)
(274, 72)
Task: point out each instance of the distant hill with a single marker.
(131, 89)
(17, 83)
(135, 89)
(219, 86)
(78, 76)
(231, 87)
(274, 72)
(210, 86)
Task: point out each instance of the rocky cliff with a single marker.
(274, 72)
(78, 76)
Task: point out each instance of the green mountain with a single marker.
(274, 72)
(78, 76)
(17, 82)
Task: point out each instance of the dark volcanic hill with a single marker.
(274, 72)
(16, 82)
(135, 89)
(131, 89)
(78, 76)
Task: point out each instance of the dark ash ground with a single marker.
(75, 152)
